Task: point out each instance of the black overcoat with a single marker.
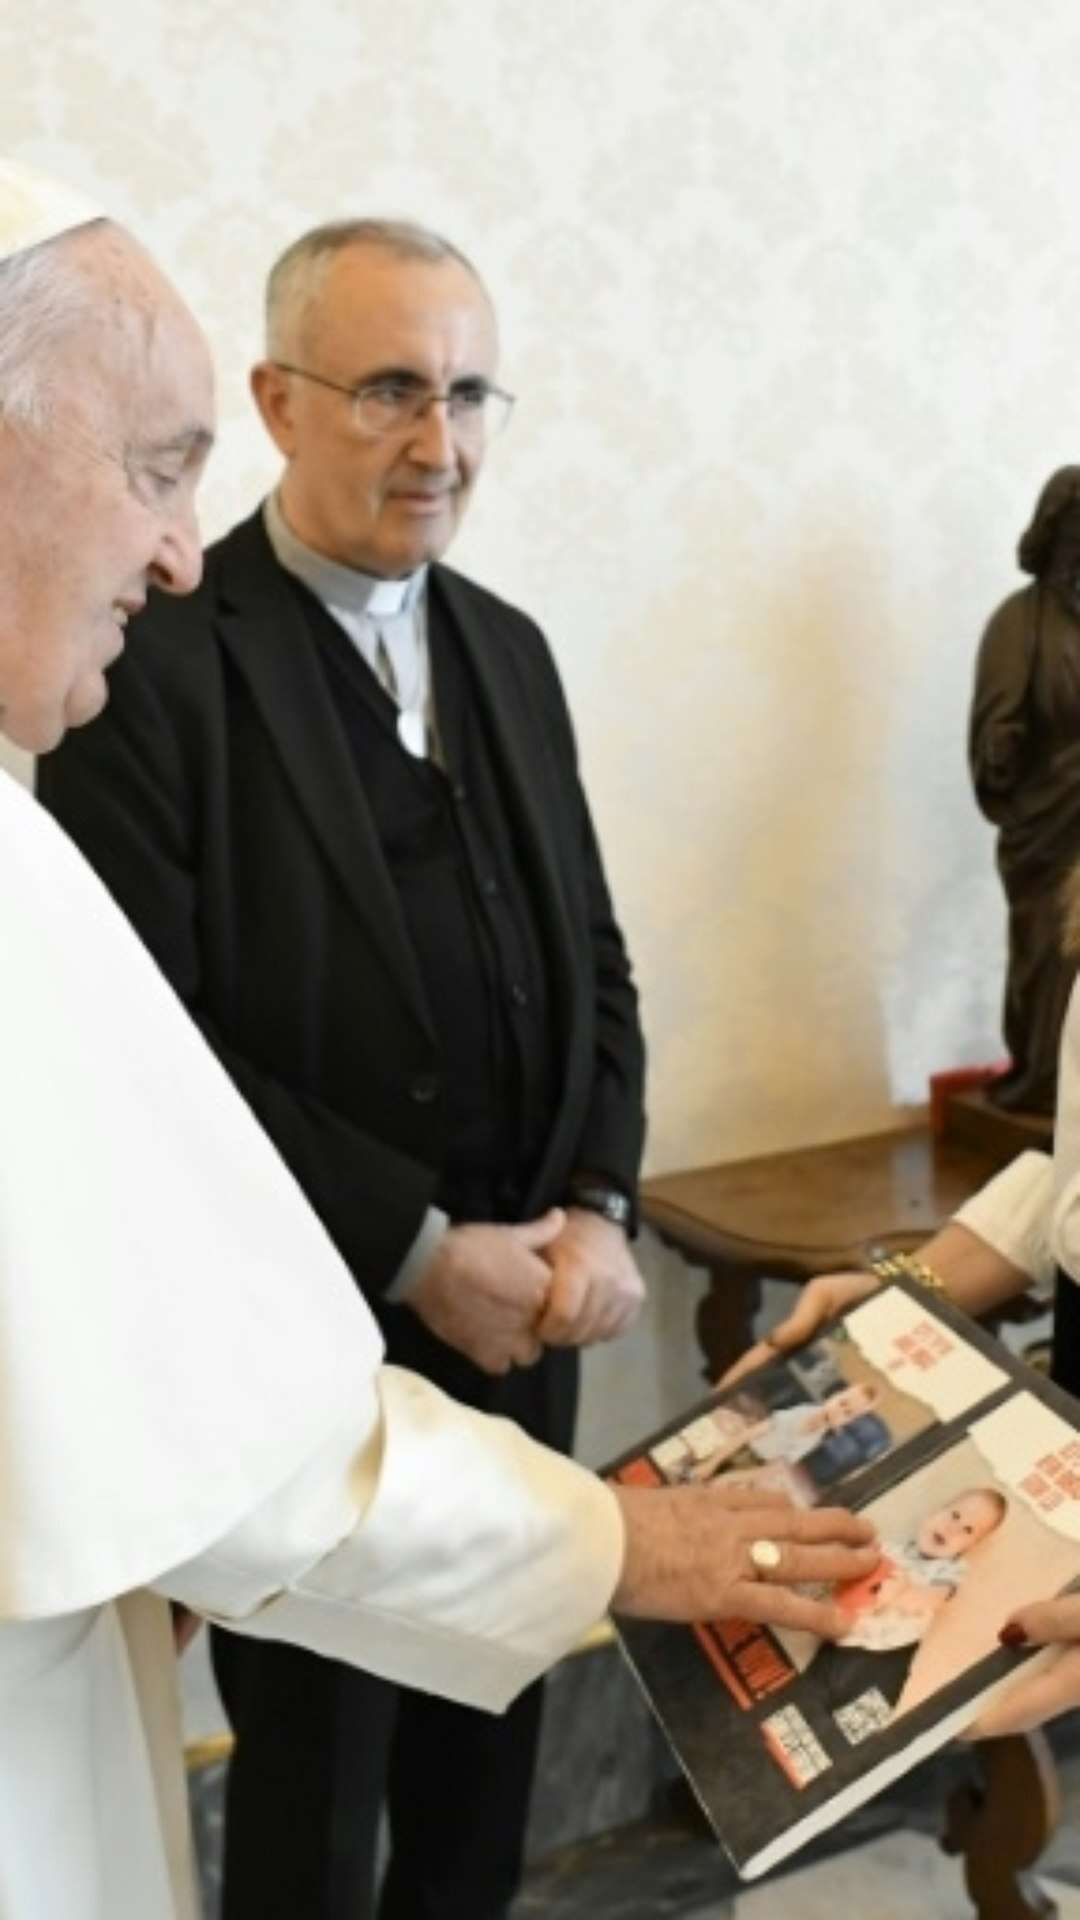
(218, 800)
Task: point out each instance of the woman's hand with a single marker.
(688, 1556)
(185, 1626)
(819, 1300)
(1055, 1688)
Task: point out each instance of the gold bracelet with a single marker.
(894, 1266)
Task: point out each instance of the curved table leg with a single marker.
(725, 1317)
(1001, 1822)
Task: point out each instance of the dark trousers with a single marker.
(1066, 1355)
(322, 1747)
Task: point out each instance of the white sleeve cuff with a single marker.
(473, 1557)
(1012, 1213)
(435, 1224)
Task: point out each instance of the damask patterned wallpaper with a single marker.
(787, 299)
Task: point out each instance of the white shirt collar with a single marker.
(344, 589)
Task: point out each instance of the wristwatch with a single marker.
(596, 1197)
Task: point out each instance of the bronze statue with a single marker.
(1025, 763)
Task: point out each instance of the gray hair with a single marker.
(297, 276)
(44, 296)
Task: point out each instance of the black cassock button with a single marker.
(424, 1088)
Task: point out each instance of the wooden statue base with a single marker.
(972, 1120)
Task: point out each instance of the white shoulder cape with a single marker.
(177, 1333)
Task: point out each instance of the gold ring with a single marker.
(764, 1556)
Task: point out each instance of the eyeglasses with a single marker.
(476, 410)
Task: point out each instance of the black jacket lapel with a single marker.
(264, 630)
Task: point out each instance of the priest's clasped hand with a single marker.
(596, 1291)
(485, 1288)
(501, 1294)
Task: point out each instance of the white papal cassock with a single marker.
(275, 1476)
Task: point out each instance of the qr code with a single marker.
(792, 1741)
(864, 1716)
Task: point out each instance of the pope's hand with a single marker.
(1054, 1688)
(819, 1300)
(688, 1556)
(485, 1288)
(596, 1291)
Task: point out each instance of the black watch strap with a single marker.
(609, 1202)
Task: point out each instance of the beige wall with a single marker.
(787, 299)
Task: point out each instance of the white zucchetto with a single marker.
(34, 209)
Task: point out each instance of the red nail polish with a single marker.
(1012, 1635)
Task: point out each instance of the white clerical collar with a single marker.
(344, 588)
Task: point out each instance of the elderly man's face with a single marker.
(99, 504)
(387, 504)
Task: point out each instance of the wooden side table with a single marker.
(814, 1210)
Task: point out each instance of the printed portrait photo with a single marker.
(800, 1426)
(959, 1551)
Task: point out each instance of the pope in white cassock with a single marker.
(277, 1477)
